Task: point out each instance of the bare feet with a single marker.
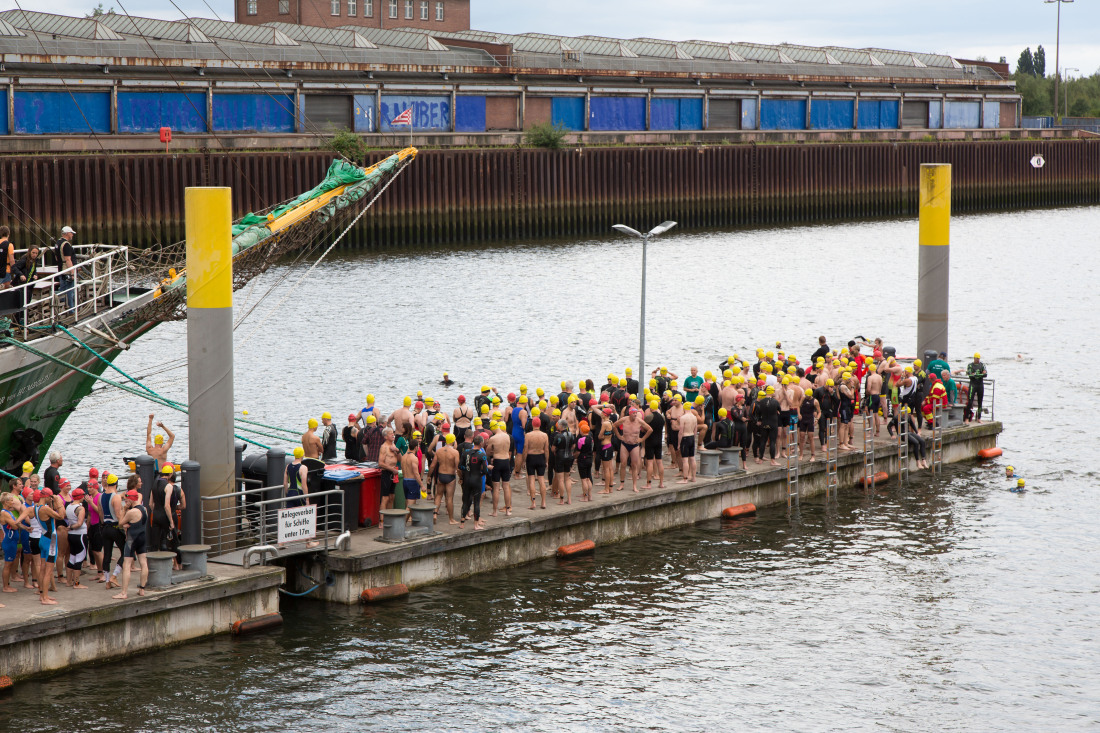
(120, 596)
(507, 511)
(9, 590)
(451, 521)
(81, 586)
(49, 602)
(774, 463)
(682, 481)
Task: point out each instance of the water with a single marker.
(950, 604)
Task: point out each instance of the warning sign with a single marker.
(297, 524)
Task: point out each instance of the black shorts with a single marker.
(95, 538)
(584, 468)
(563, 465)
(445, 478)
(673, 438)
(134, 546)
(806, 426)
(607, 453)
(502, 470)
(536, 465)
(654, 451)
(35, 549)
(387, 482)
(687, 447)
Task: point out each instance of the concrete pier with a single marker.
(536, 534)
(88, 626)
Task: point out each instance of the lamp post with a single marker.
(656, 231)
(1057, 52)
(1065, 97)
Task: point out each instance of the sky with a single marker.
(990, 28)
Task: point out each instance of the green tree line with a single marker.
(1077, 97)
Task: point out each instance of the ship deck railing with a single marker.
(101, 278)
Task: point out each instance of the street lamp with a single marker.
(1057, 51)
(654, 232)
(1065, 97)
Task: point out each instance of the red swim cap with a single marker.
(93, 472)
(461, 399)
(419, 405)
(352, 417)
(535, 422)
(511, 396)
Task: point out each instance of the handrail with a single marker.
(261, 550)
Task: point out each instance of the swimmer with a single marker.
(1019, 487)
(687, 426)
(632, 432)
(446, 381)
(445, 468)
(413, 483)
(534, 456)
(311, 442)
(585, 450)
(155, 445)
(133, 523)
(498, 450)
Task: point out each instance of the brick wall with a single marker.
(456, 14)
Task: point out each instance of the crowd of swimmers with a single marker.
(617, 435)
(55, 535)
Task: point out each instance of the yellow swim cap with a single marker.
(523, 399)
(429, 401)
(846, 375)
(407, 401)
(770, 355)
(664, 370)
(542, 404)
(668, 393)
(771, 390)
(727, 383)
(498, 414)
(611, 378)
(678, 397)
(484, 388)
(539, 392)
(786, 380)
(523, 389)
(158, 439)
(572, 398)
(917, 363)
(477, 421)
(722, 412)
(652, 383)
(553, 399)
(629, 371)
(708, 375)
(977, 355)
(326, 415)
(727, 374)
(908, 370)
(809, 393)
(299, 452)
(450, 439)
(1019, 482)
(28, 467)
(440, 417)
(766, 368)
(496, 399)
(416, 434)
(829, 383)
(700, 400)
(370, 399)
(492, 424)
(563, 384)
(654, 404)
(312, 423)
(113, 479)
(372, 420)
(484, 409)
(736, 370)
(168, 469)
(536, 412)
(557, 412)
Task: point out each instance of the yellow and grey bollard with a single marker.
(209, 222)
(935, 257)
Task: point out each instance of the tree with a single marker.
(98, 11)
(1026, 64)
(1004, 60)
(1040, 62)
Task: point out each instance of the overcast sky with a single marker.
(991, 28)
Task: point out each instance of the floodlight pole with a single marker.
(656, 231)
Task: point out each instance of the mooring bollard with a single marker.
(731, 460)
(422, 520)
(393, 525)
(194, 557)
(160, 569)
(708, 462)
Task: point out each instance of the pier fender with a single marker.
(5, 682)
(577, 548)
(742, 510)
(260, 623)
(385, 593)
(990, 453)
(878, 478)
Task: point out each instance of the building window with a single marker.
(335, 7)
(284, 7)
(393, 8)
(408, 9)
(439, 11)
(251, 7)
(423, 9)
(353, 8)
(368, 8)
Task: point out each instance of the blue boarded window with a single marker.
(4, 112)
(150, 111)
(428, 113)
(253, 113)
(567, 112)
(469, 114)
(363, 113)
(616, 113)
(962, 115)
(832, 114)
(62, 113)
(783, 114)
(676, 114)
(878, 114)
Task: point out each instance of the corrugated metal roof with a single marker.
(712, 50)
(760, 52)
(242, 32)
(520, 44)
(59, 25)
(7, 29)
(596, 45)
(324, 36)
(153, 29)
(657, 48)
(397, 39)
(805, 54)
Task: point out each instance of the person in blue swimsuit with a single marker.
(11, 522)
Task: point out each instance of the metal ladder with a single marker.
(937, 439)
(869, 451)
(792, 467)
(832, 482)
(903, 443)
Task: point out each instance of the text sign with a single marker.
(297, 524)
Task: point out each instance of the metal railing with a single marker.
(95, 282)
(832, 482)
(243, 519)
(793, 457)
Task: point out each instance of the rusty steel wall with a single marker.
(461, 196)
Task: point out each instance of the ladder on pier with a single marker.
(937, 439)
(832, 482)
(792, 466)
(869, 451)
(903, 444)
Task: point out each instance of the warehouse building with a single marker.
(120, 75)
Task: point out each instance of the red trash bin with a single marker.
(370, 497)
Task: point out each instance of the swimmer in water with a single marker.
(1019, 488)
(446, 381)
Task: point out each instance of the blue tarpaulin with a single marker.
(150, 111)
(616, 113)
(4, 114)
(962, 115)
(469, 114)
(992, 116)
(878, 114)
(568, 112)
(45, 113)
(428, 113)
(684, 113)
(832, 114)
(253, 113)
(748, 114)
(783, 114)
(363, 113)
(935, 109)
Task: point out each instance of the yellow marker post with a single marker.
(209, 221)
(933, 284)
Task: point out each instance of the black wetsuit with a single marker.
(135, 536)
(767, 412)
(723, 434)
(830, 405)
(654, 442)
(158, 528)
(353, 449)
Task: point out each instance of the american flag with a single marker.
(405, 118)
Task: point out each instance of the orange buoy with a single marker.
(251, 625)
(385, 593)
(578, 548)
(990, 453)
(878, 478)
(742, 510)
(5, 682)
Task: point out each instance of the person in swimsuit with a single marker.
(155, 445)
(162, 526)
(474, 469)
(688, 423)
(633, 432)
(445, 466)
(499, 451)
(653, 458)
(294, 481)
(606, 449)
(46, 515)
(534, 457)
(672, 418)
(584, 449)
(134, 518)
(76, 515)
(388, 457)
(13, 521)
(413, 483)
(518, 420)
(808, 412)
(562, 444)
(463, 418)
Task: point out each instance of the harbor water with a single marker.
(946, 604)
